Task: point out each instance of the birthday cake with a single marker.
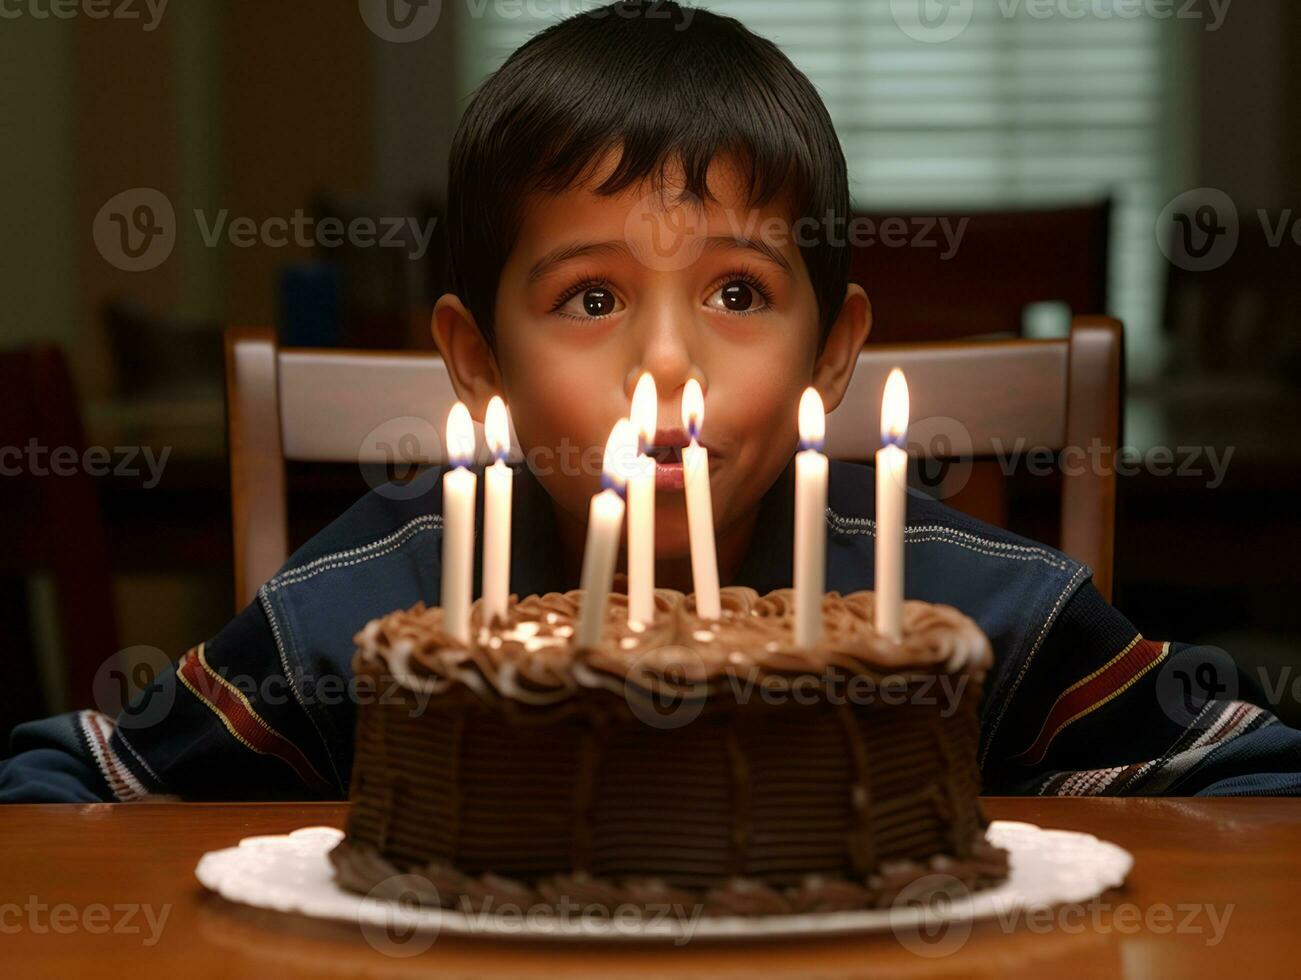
(698, 762)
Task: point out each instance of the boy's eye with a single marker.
(737, 296)
(594, 301)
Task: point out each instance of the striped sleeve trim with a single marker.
(1220, 722)
(243, 723)
(97, 729)
(1090, 693)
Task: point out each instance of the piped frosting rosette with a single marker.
(530, 655)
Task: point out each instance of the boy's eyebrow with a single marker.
(754, 245)
(573, 250)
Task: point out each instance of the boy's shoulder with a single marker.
(381, 521)
(851, 506)
(1015, 588)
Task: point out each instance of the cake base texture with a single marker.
(687, 763)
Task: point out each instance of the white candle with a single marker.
(891, 506)
(498, 481)
(700, 508)
(604, 525)
(458, 524)
(810, 520)
(641, 506)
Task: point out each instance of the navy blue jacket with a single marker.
(1078, 701)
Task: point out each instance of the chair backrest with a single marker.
(973, 399)
(947, 276)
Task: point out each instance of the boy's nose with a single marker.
(665, 351)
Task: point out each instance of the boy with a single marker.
(634, 191)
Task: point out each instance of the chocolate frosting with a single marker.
(530, 655)
(363, 869)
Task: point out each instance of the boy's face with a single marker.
(599, 289)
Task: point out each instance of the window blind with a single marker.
(1026, 105)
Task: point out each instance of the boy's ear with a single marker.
(470, 361)
(835, 365)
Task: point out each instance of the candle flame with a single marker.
(813, 419)
(894, 409)
(620, 454)
(496, 427)
(645, 409)
(693, 407)
(460, 436)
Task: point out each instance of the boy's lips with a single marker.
(666, 449)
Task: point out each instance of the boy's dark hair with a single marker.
(664, 84)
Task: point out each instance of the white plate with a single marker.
(292, 873)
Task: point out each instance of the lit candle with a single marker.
(604, 524)
(891, 506)
(700, 508)
(810, 522)
(641, 506)
(498, 483)
(458, 524)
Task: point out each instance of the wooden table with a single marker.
(1205, 870)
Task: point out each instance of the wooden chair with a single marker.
(329, 406)
(1004, 261)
